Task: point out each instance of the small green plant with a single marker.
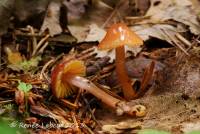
(30, 65)
(24, 87)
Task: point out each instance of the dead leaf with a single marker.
(156, 31)
(121, 127)
(128, 125)
(51, 20)
(79, 32)
(75, 8)
(63, 38)
(167, 18)
(111, 129)
(13, 57)
(95, 33)
(177, 10)
(99, 15)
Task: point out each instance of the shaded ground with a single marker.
(174, 102)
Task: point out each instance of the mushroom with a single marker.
(68, 74)
(117, 36)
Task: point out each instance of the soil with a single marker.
(173, 102)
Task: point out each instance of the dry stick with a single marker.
(43, 47)
(87, 128)
(86, 54)
(107, 69)
(112, 14)
(26, 29)
(78, 96)
(42, 41)
(85, 57)
(137, 18)
(198, 41)
(68, 104)
(45, 67)
(6, 101)
(40, 44)
(178, 61)
(19, 33)
(175, 42)
(183, 40)
(5, 86)
(75, 122)
(34, 40)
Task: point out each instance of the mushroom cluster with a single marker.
(68, 75)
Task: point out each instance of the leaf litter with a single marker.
(170, 30)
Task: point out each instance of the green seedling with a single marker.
(25, 87)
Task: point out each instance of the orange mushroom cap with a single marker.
(61, 88)
(118, 35)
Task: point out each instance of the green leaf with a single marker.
(24, 86)
(151, 131)
(31, 64)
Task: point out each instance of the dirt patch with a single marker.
(173, 102)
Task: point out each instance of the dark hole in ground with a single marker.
(155, 43)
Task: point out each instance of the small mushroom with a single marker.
(68, 74)
(119, 35)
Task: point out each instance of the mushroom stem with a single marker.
(91, 88)
(125, 81)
